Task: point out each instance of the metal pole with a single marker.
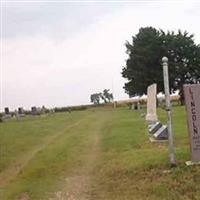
(169, 114)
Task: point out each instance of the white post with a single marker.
(168, 109)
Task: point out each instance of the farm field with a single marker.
(100, 153)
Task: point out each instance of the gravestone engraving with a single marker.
(151, 116)
(192, 101)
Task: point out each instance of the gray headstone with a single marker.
(154, 127)
(20, 110)
(33, 110)
(17, 115)
(7, 111)
(192, 101)
(134, 106)
(161, 133)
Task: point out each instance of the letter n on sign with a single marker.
(192, 101)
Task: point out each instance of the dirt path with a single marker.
(78, 186)
(12, 171)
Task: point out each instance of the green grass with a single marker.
(39, 153)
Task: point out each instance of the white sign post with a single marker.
(168, 109)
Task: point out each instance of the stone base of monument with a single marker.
(161, 133)
(190, 163)
(152, 128)
(157, 132)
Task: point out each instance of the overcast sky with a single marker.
(57, 53)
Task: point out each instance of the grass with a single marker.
(110, 146)
(134, 168)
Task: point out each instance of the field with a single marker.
(100, 153)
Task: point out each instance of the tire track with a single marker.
(12, 171)
(78, 185)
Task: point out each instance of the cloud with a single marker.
(68, 57)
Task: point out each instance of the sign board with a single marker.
(192, 101)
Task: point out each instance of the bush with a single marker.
(71, 108)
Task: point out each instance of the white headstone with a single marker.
(151, 115)
(17, 115)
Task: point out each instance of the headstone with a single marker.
(7, 114)
(192, 101)
(1, 117)
(161, 133)
(43, 110)
(17, 115)
(20, 110)
(151, 116)
(138, 105)
(7, 111)
(33, 110)
(134, 106)
(154, 127)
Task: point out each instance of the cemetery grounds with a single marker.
(100, 153)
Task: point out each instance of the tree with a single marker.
(105, 96)
(143, 66)
(95, 98)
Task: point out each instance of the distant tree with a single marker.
(143, 66)
(105, 96)
(95, 98)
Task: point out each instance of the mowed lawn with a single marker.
(100, 153)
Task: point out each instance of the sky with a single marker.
(57, 53)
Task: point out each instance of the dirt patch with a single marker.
(77, 188)
(23, 196)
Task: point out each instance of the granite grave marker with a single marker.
(192, 101)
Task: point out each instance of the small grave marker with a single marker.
(161, 133)
(7, 111)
